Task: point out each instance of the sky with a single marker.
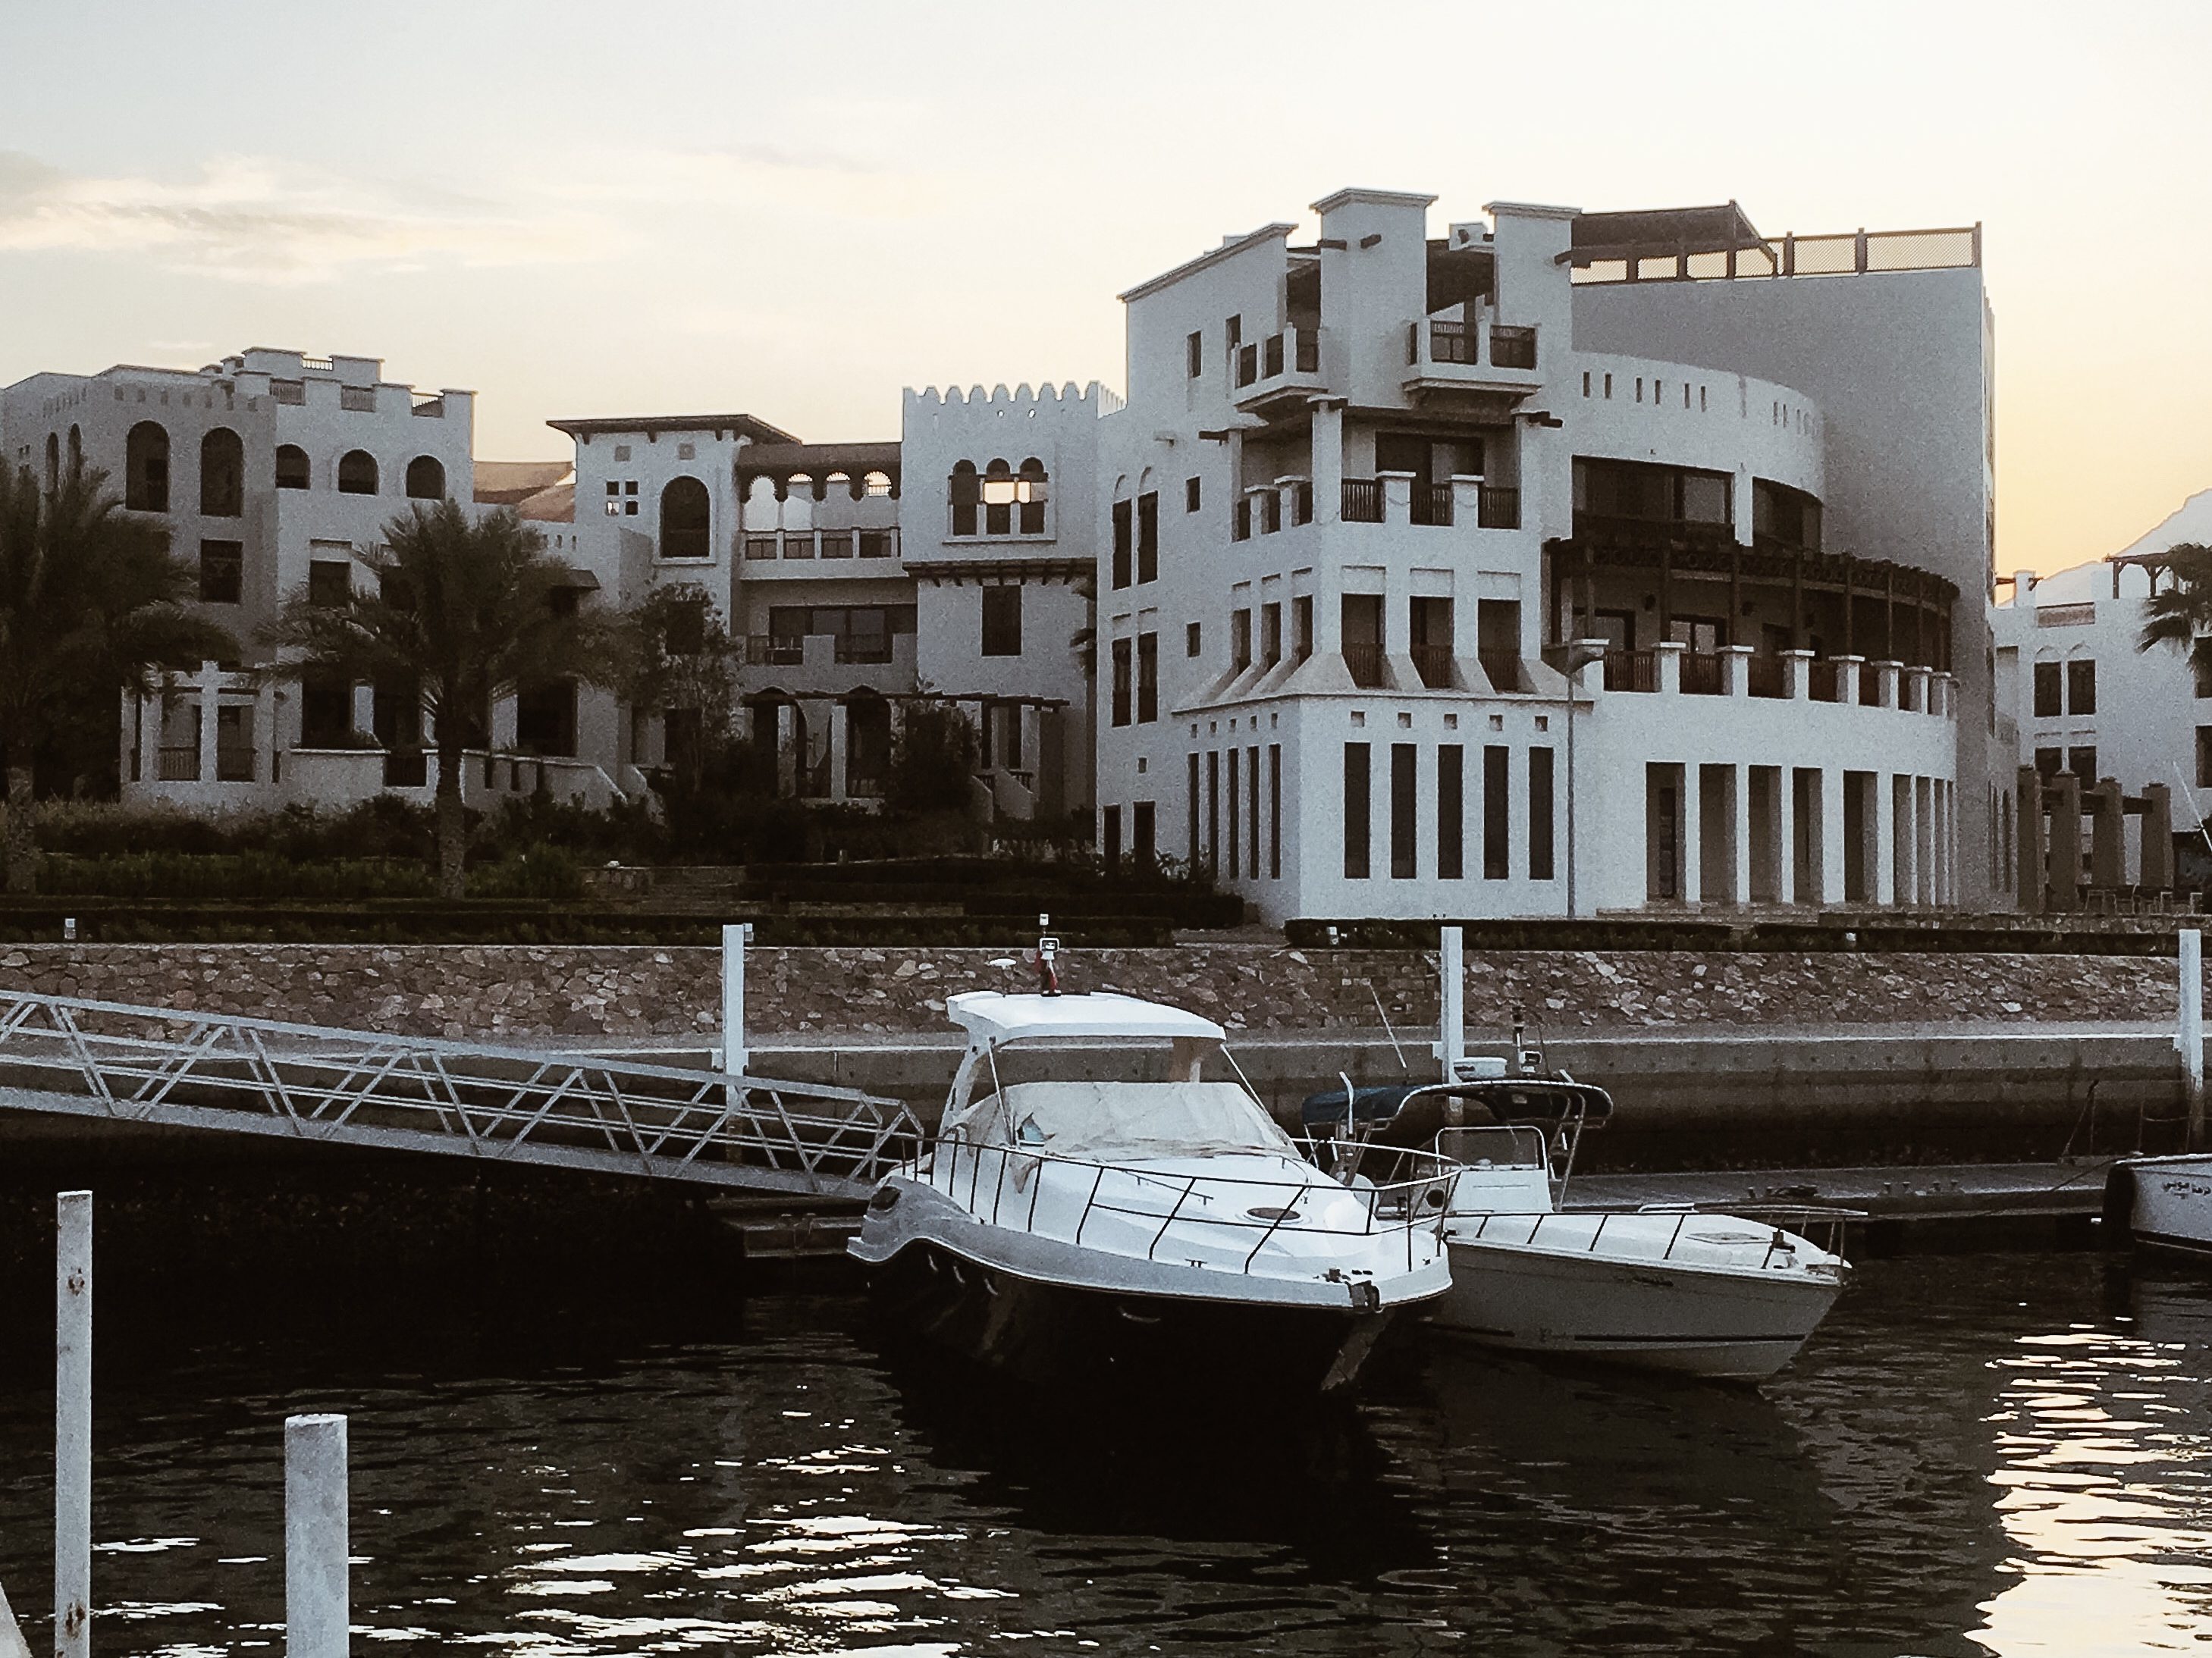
(797, 210)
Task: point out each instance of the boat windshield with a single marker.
(1107, 1119)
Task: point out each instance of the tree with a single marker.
(683, 662)
(933, 759)
(2180, 615)
(466, 611)
(91, 604)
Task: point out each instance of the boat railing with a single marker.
(1803, 1220)
(1408, 1207)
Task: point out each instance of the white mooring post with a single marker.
(73, 1424)
(735, 1057)
(2189, 1033)
(1451, 1044)
(12, 1644)
(316, 1608)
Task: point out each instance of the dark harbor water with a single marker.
(2003, 1453)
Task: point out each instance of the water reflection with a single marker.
(2003, 1452)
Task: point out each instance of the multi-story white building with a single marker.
(1458, 576)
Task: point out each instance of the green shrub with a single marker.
(539, 871)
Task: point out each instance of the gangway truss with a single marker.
(189, 1069)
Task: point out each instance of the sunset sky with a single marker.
(797, 210)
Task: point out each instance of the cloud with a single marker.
(250, 219)
(823, 184)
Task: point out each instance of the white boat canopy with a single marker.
(991, 1016)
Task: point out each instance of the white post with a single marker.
(12, 1644)
(2190, 1034)
(1452, 1045)
(73, 1424)
(734, 1054)
(316, 1605)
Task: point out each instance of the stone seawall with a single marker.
(505, 992)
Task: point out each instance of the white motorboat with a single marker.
(1730, 1297)
(2165, 1202)
(1156, 1221)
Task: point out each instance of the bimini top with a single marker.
(990, 1016)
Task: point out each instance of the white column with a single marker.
(1452, 978)
(1832, 826)
(1327, 463)
(1739, 778)
(1785, 825)
(1882, 876)
(317, 1610)
(837, 751)
(73, 1424)
(1667, 658)
(1692, 816)
(210, 703)
(735, 1053)
(1924, 843)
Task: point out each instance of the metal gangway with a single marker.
(187, 1069)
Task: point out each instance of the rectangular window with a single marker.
(1270, 633)
(1193, 637)
(2204, 756)
(1540, 815)
(1301, 627)
(1451, 812)
(2082, 686)
(1140, 835)
(1356, 826)
(1252, 793)
(2083, 763)
(1111, 839)
(330, 582)
(2202, 671)
(1404, 756)
(1193, 495)
(1233, 795)
(325, 710)
(2049, 763)
(1213, 808)
(1497, 862)
(1148, 678)
(1274, 811)
(1240, 640)
(2048, 705)
(1002, 620)
(967, 495)
(1194, 354)
(1122, 682)
(1123, 543)
(1148, 535)
(223, 572)
(1193, 812)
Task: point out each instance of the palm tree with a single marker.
(466, 611)
(91, 604)
(2179, 615)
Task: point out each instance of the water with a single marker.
(2004, 1453)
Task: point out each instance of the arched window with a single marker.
(357, 473)
(998, 499)
(292, 471)
(1029, 491)
(222, 474)
(426, 479)
(966, 492)
(53, 461)
(146, 468)
(878, 483)
(684, 519)
(75, 450)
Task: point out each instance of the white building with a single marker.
(1375, 497)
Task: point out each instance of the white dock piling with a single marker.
(12, 1644)
(73, 1424)
(2190, 1032)
(316, 1608)
(1451, 1046)
(734, 1054)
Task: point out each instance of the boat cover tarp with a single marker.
(1112, 1120)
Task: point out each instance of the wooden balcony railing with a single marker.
(1502, 668)
(1701, 674)
(1362, 501)
(1767, 678)
(1631, 671)
(180, 763)
(1434, 665)
(1365, 662)
(1501, 507)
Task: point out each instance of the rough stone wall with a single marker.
(517, 991)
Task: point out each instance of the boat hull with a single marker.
(1064, 1335)
(1723, 1325)
(2171, 1209)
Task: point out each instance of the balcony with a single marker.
(1701, 674)
(830, 665)
(1279, 371)
(1364, 662)
(1502, 668)
(1362, 501)
(1479, 363)
(786, 546)
(1434, 665)
(1735, 671)
(180, 763)
(1631, 671)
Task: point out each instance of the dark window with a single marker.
(966, 492)
(998, 500)
(1301, 627)
(545, 718)
(1252, 793)
(1193, 637)
(1148, 535)
(223, 572)
(1194, 353)
(2050, 762)
(1235, 332)
(1357, 829)
(1213, 809)
(292, 469)
(2048, 705)
(2203, 670)
(1635, 489)
(1122, 682)
(146, 468)
(426, 478)
(1148, 678)
(1111, 839)
(1270, 633)
(2083, 763)
(1274, 811)
(1540, 815)
(2204, 756)
(1123, 543)
(1404, 756)
(1240, 640)
(2082, 686)
(684, 519)
(1193, 812)
(1231, 767)
(1496, 862)
(1142, 834)
(325, 710)
(1782, 515)
(1193, 495)
(1451, 812)
(357, 473)
(1029, 496)
(222, 474)
(330, 582)
(1002, 620)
